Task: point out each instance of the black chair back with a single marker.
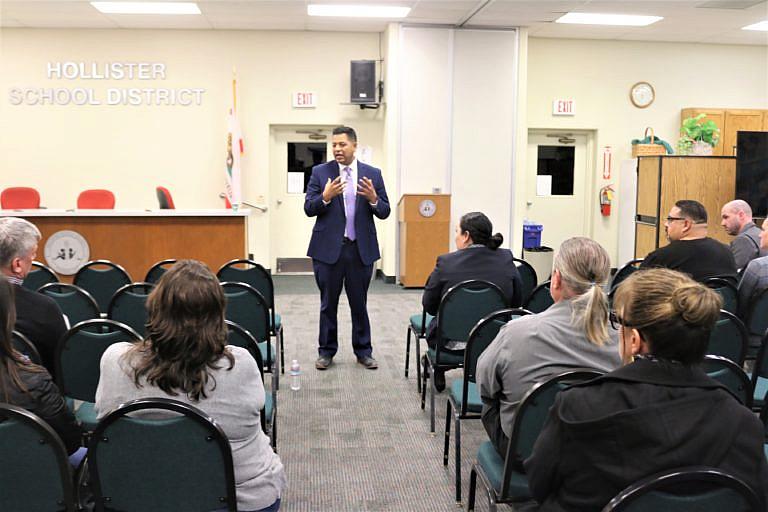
(624, 272)
(39, 275)
(250, 272)
(528, 276)
(760, 370)
(23, 345)
(35, 473)
(540, 299)
(726, 288)
(101, 278)
(156, 454)
(731, 375)
(697, 488)
(158, 269)
(248, 308)
(239, 337)
(77, 304)
(757, 316)
(129, 306)
(729, 338)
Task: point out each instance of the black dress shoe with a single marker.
(323, 362)
(439, 380)
(368, 362)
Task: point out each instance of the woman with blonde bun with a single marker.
(658, 412)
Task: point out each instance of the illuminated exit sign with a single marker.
(563, 107)
(304, 100)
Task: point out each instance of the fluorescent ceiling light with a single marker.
(589, 18)
(358, 11)
(147, 7)
(763, 26)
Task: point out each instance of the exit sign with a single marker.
(304, 100)
(563, 107)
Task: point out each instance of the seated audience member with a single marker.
(478, 256)
(657, 413)
(737, 221)
(185, 357)
(690, 250)
(572, 333)
(30, 386)
(754, 278)
(38, 317)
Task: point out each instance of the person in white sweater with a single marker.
(185, 357)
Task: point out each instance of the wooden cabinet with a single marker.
(424, 222)
(730, 122)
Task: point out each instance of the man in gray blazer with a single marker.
(737, 221)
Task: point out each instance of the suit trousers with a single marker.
(348, 272)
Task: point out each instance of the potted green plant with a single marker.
(698, 137)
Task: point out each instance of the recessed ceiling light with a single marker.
(147, 7)
(358, 11)
(763, 26)
(589, 18)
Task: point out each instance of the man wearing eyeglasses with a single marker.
(690, 250)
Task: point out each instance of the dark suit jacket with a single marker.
(328, 233)
(646, 417)
(39, 318)
(476, 262)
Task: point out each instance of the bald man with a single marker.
(737, 221)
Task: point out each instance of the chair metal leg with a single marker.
(491, 501)
(448, 410)
(457, 448)
(407, 350)
(418, 364)
(423, 381)
(472, 487)
(432, 393)
(282, 350)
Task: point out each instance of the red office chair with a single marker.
(164, 198)
(96, 199)
(14, 198)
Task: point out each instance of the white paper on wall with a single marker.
(365, 154)
(544, 185)
(295, 182)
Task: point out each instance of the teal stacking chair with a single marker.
(249, 309)
(77, 304)
(504, 479)
(24, 346)
(729, 338)
(528, 278)
(759, 376)
(731, 375)
(540, 298)
(464, 401)
(39, 275)
(161, 455)
(727, 290)
(756, 322)
(250, 272)
(35, 474)
(158, 269)
(101, 278)
(239, 337)
(129, 306)
(695, 488)
(417, 326)
(624, 272)
(78, 358)
(462, 306)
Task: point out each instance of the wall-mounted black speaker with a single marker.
(363, 81)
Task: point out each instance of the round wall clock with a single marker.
(642, 94)
(66, 251)
(427, 208)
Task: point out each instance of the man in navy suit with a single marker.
(344, 195)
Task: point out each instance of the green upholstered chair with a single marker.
(161, 455)
(540, 298)
(528, 277)
(77, 304)
(756, 322)
(464, 401)
(417, 326)
(731, 375)
(101, 278)
(696, 488)
(727, 290)
(23, 345)
(158, 269)
(35, 474)
(759, 376)
(504, 478)
(624, 272)
(78, 358)
(239, 337)
(250, 272)
(462, 306)
(129, 306)
(39, 275)
(729, 338)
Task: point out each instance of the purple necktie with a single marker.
(350, 196)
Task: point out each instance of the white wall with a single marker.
(599, 74)
(61, 150)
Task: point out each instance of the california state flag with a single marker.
(234, 152)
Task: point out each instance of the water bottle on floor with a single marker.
(295, 373)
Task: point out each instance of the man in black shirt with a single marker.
(690, 250)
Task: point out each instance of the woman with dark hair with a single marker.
(478, 256)
(30, 386)
(659, 412)
(185, 357)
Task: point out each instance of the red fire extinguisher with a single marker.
(606, 196)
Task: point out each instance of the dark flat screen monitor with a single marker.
(752, 170)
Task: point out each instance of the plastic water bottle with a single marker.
(295, 373)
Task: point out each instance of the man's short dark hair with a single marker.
(693, 210)
(346, 130)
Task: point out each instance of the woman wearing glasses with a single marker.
(658, 412)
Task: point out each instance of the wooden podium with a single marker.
(424, 221)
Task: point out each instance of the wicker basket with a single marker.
(648, 149)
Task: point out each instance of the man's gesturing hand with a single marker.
(332, 189)
(365, 188)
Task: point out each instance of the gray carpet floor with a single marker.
(356, 439)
